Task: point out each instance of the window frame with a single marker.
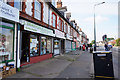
(55, 20)
(38, 11)
(20, 5)
(11, 28)
(46, 45)
(60, 25)
(66, 28)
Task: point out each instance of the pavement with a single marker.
(75, 64)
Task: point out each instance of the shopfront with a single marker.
(68, 43)
(77, 44)
(39, 43)
(59, 43)
(9, 17)
(6, 41)
(73, 45)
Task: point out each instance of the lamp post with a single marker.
(95, 25)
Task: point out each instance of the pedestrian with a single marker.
(106, 47)
(86, 47)
(80, 47)
(83, 47)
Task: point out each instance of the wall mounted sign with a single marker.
(8, 12)
(59, 34)
(69, 37)
(36, 28)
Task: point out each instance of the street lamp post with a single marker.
(95, 25)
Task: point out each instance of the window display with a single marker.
(43, 45)
(6, 43)
(49, 45)
(56, 43)
(34, 45)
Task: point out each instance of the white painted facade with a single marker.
(45, 12)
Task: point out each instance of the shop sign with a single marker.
(59, 34)
(78, 39)
(69, 37)
(36, 28)
(8, 12)
(75, 40)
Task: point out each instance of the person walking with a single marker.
(83, 47)
(86, 47)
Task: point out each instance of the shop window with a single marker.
(37, 10)
(34, 45)
(49, 45)
(18, 4)
(56, 44)
(43, 45)
(54, 20)
(6, 43)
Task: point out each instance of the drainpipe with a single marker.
(16, 44)
(49, 16)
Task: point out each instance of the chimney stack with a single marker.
(59, 4)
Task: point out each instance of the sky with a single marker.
(106, 17)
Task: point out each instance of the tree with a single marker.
(118, 42)
(109, 39)
(93, 41)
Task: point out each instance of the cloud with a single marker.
(86, 7)
(99, 19)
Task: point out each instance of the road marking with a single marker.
(104, 77)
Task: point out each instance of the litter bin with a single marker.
(103, 65)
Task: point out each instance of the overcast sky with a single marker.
(106, 16)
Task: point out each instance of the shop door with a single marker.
(25, 47)
(62, 46)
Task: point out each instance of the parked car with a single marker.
(110, 46)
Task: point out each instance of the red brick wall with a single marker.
(38, 59)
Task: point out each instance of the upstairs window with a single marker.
(61, 25)
(71, 32)
(54, 20)
(65, 28)
(6, 1)
(18, 4)
(37, 10)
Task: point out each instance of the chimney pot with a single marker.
(59, 4)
